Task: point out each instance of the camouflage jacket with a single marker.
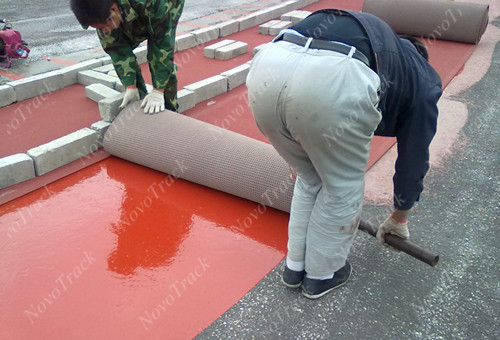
(152, 20)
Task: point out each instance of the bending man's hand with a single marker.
(293, 174)
(391, 226)
(153, 102)
(131, 95)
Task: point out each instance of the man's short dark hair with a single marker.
(89, 12)
(422, 50)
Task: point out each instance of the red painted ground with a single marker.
(39, 120)
(106, 254)
(118, 251)
(9, 75)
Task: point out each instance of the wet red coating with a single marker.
(129, 252)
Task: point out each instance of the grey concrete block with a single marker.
(208, 88)
(256, 49)
(278, 10)
(92, 77)
(256, 18)
(105, 69)
(279, 26)
(112, 73)
(228, 27)
(294, 5)
(64, 150)
(100, 127)
(16, 169)
(105, 60)
(110, 107)
(264, 28)
(118, 83)
(247, 21)
(37, 85)
(209, 51)
(236, 76)
(119, 86)
(97, 92)
(184, 42)
(288, 15)
(204, 35)
(7, 95)
(186, 99)
(141, 54)
(295, 16)
(288, 6)
(70, 73)
(267, 14)
(231, 51)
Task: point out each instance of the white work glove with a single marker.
(131, 95)
(391, 226)
(153, 102)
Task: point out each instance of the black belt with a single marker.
(325, 45)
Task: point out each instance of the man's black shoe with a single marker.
(314, 289)
(292, 278)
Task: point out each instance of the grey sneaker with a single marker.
(314, 289)
(292, 278)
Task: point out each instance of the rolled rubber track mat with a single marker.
(435, 19)
(201, 153)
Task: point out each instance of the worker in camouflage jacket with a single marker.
(121, 26)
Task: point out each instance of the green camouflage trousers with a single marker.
(166, 77)
(154, 21)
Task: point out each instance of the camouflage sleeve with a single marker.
(164, 16)
(121, 53)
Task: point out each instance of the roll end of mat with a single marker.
(433, 19)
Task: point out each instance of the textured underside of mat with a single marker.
(186, 148)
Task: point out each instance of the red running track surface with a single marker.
(119, 251)
(116, 250)
(39, 120)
